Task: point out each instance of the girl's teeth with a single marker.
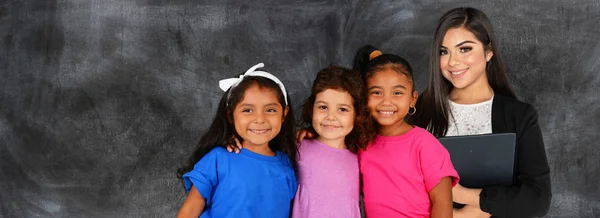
(258, 131)
(386, 112)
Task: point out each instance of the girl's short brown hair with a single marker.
(339, 78)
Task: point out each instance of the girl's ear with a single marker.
(415, 96)
(285, 112)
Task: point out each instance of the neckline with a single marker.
(474, 104)
(315, 141)
(397, 137)
(257, 156)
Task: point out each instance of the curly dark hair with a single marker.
(340, 78)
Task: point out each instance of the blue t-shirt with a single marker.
(243, 185)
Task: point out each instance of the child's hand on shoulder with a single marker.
(300, 135)
(234, 148)
(304, 133)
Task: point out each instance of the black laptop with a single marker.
(482, 160)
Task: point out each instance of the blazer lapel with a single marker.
(498, 114)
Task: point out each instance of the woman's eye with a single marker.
(465, 49)
(443, 52)
(322, 107)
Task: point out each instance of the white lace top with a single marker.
(470, 119)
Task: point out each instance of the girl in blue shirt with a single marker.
(260, 182)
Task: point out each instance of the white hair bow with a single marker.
(231, 83)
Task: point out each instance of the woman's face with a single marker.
(463, 59)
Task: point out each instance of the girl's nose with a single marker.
(260, 118)
(387, 99)
(330, 115)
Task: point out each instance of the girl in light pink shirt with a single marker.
(405, 171)
(328, 173)
(339, 125)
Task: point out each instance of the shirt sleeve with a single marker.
(530, 195)
(204, 176)
(435, 163)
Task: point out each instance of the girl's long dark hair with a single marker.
(432, 106)
(343, 79)
(222, 129)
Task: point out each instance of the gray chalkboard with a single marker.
(101, 101)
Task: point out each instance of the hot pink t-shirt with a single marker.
(399, 171)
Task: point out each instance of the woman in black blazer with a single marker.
(468, 93)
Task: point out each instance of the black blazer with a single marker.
(531, 193)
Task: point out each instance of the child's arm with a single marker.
(438, 174)
(441, 198)
(300, 134)
(193, 205)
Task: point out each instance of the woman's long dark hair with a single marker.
(432, 106)
(343, 79)
(222, 129)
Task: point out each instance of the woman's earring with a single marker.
(413, 112)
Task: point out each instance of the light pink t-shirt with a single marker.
(399, 171)
(328, 182)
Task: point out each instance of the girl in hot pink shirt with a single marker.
(405, 171)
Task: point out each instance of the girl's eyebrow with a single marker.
(395, 87)
(399, 86)
(325, 103)
(374, 87)
(252, 105)
(345, 105)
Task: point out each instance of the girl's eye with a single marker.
(443, 52)
(397, 93)
(322, 107)
(344, 110)
(375, 93)
(465, 49)
(271, 110)
(247, 110)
